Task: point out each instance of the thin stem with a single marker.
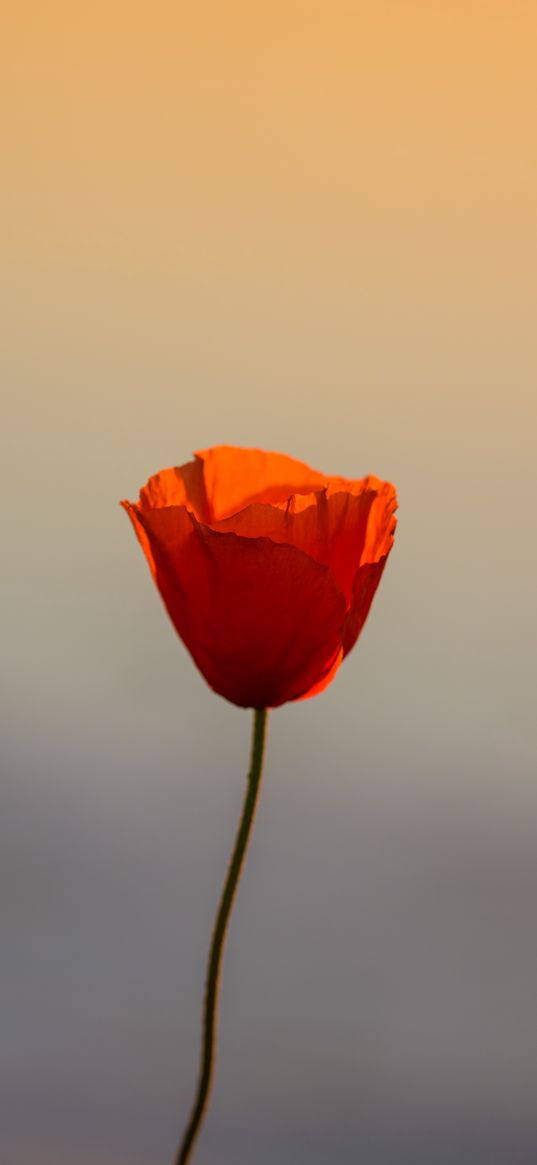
(212, 985)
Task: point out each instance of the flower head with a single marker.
(267, 568)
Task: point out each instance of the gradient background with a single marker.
(309, 227)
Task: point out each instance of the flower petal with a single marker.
(235, 477)
(326, 679)
(366, 582)
(182, 485)
(341, 530)
(262, 620)
(379, 541)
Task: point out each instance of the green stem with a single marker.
(212, 985)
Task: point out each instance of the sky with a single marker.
(307, 227)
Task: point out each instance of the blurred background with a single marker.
(310, 227)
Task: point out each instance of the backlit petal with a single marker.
(183, 485)
(366, 582)
(236, 477)
(341, 530)
(262, 620)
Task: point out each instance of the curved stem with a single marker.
(212, 985)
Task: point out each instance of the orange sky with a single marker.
(164, 132)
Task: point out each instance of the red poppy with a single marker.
(267, 568)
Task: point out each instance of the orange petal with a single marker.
(234, 478)
(341, 530)
(182, 485)
(133, 511)
(262, 620)
(378, 543)
(365, 584)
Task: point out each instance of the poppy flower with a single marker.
(267, 568)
